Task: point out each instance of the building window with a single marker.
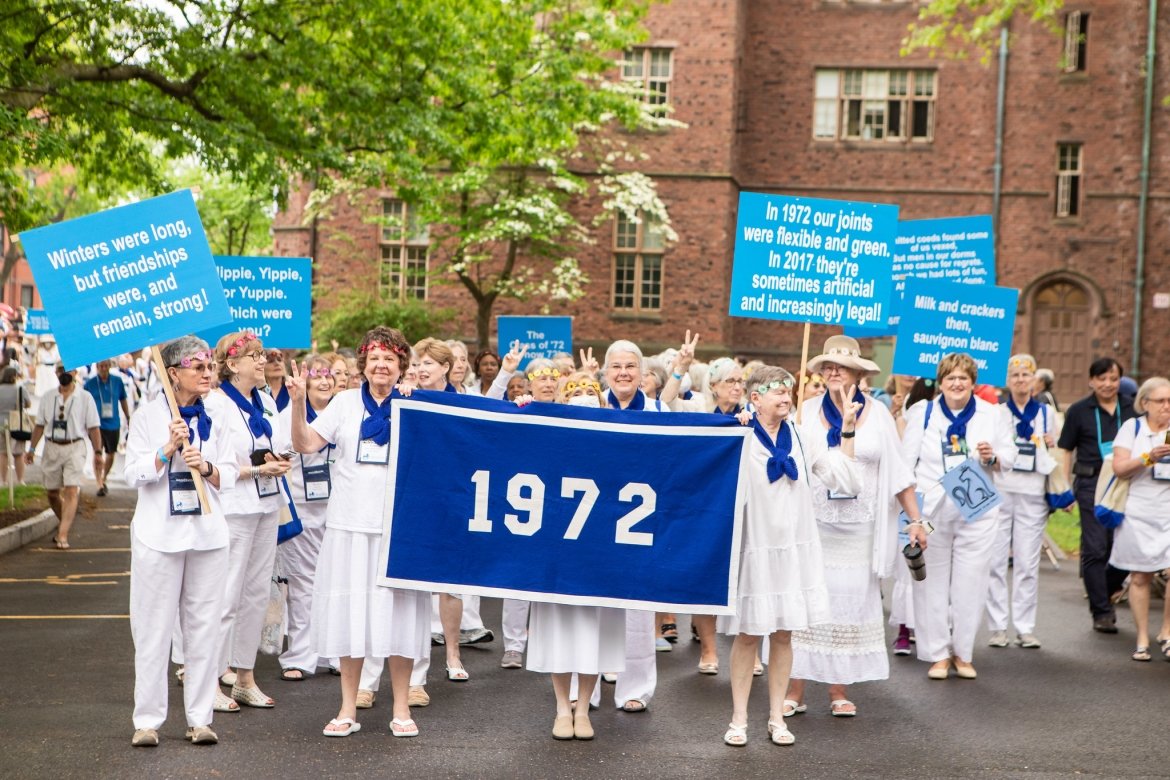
(637, 265)
(404, 244)
(1076, 36)
(1068, 179)
(26, 296)
(874, 105)
(650, 70)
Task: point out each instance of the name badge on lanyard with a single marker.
(369, 451)
(1162, 470)
(1026, 459)
(318, 484)
(184, 498)
(837, 496)
(954, 454)
(60, 433)
(107, 409)
(267, 486)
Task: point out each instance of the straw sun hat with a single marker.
(844, 351)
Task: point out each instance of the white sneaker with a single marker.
(1028, 640)
(998, 639)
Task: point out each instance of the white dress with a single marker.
(566, 638)
(781, 569)
(1142, 541)
(851, 647)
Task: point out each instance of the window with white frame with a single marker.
(1076, 32)
(1068, 179)
(874, 105)
(637, 264)
(650, 69)
(404, 245)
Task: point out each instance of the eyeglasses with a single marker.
(957, 379)
(258, 356)
(734, 382)
(1159, 401)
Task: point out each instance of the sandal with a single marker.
(709, 668)
(837, 708)
(758, 669)
(1165, 645)
(403, 728)
(736, 736)
(634, 705)
(60, 544)
(793, 707)
(293, 674)
(223, 703)
(780, 734)
(179, 675)
(457, 674)
(350, 724)
(1141, 654)
(365, 699)
(670, 632)
(252, 697)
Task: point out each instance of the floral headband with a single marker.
(382, 345)
(584, 384)
(554, 373)
(318, 372)
(187, 362)
(237, 348)
(774, 384)
(1018, 362)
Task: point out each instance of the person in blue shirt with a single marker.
(108, 393)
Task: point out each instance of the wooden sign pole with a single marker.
(169, 391)
(803, 372)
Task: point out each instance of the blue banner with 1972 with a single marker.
(564, 504)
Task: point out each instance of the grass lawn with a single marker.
(27, 497)
(1065, 529)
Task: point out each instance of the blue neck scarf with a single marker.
(958, 426)
(833, 416)
(734, 411)
(282, 398)
(450, 388)
(377, 426)
(781, 462)
(197, 412)
(1025, 419)
(254, 409)
(637, 403)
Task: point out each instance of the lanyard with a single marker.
(1116, 414)
(248, 428)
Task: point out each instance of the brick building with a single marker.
(811, 98)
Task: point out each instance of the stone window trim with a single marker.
(1069, 179)
(1076, 41)
(652, 67)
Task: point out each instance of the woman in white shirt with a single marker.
(941, 436)
(352, 616)
(1141, 544)
(178, 553)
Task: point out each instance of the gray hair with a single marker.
(655, 367)
(538, 363)
(766, 375)
(1143, 393)
(720, 368)
(174, 351)
(1046, 376)
(621, 345)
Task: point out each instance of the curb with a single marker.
(16, 536)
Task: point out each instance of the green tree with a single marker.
(958, 26)
(357, 312)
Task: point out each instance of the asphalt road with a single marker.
(1077, 707)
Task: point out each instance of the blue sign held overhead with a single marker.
(943, 317)
(560, 504)
(270, 296)
(813, 260)
(36, 322)
(948, 249)
(544, 336)
(125, 278)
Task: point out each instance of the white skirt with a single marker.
(781, 589)
(564, 638)
(1142, 541)
(353, 617)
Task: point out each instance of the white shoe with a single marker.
(998, 639)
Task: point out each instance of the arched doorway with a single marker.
(1062, 335)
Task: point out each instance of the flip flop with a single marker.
(793, 707)
(403, 728)
(836, 705)
(352, 726)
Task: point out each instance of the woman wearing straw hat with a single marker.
(858, 534)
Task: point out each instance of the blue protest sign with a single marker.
(560, 504)
(971, 490)
(943, 317)
(269, 296)
(813, 260)
(125, 278)
(36, 322)
(544, 336)
(949, 249)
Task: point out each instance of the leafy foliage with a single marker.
(356, 312)
(959, 26)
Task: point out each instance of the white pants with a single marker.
(371, 678)
(640, 677)
(188, 585)
(1023, 519)
(949, 603)
(251, 554)
(515, 625)
(298, 559)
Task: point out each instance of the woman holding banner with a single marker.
(252, 507)
(178, 554)
(858, 533)
(1024, 514)
(352, 616)
(942, 436)
(781, 573)
(310, 485)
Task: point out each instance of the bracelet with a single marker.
(1147, 460)
(162, 456)
(848, 434)
(673, 375)
(210, 470)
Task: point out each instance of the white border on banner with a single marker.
(556, 598)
